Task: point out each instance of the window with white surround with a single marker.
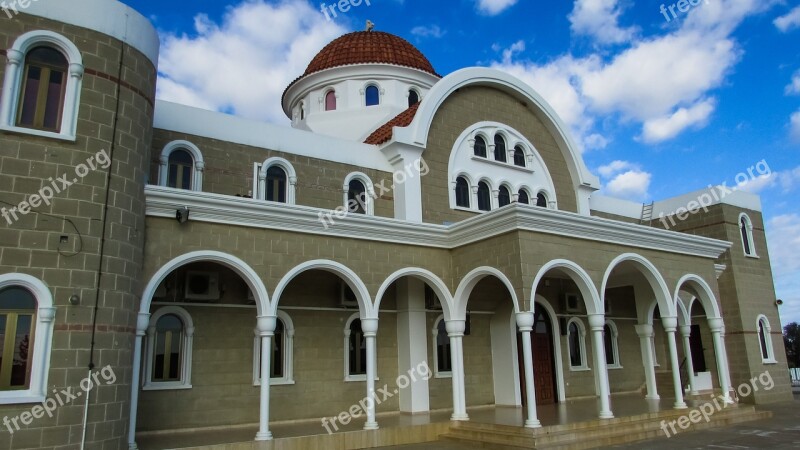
(746, 231)
(42, 85)
(463, 192)
(576, 343)
(359, 194)
(442, 364)
(503, 196)
(541, 199)
(169, 350)
(372, 95)
(413, 97)
(330, 100)
(275, 181)
(484, 193)
(181, 166)
(497, 155)
(355, 351)
(26, 335)
(282, 362)
(765, 340)
(611, 341)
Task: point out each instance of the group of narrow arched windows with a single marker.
(463, 195)
(372, 97)
(500, 153)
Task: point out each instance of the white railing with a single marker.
(794, 374)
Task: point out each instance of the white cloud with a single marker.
(494, 7)
(664, 128)
(599, 19)
(632, 185)
(795, 125)
(783, 239)
(614, 168)
(786, 180)
(243, 64)
(794, 86)
(433, 31)
(789, 21)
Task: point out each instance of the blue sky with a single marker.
(660, 108)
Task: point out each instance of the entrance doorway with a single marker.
(544, 373)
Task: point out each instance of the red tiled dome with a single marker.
(369, 47)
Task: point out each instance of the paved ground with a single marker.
(781, 432)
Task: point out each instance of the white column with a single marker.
(199, 168)
(409, 168)
(686, 333)
(370, 329)
(455, 330)
(722, 363)
(525, 323)
(72, 98)
(597, 323)
(142, 323)
(163, 170)
(266, 329)
(13, 72)
(645, 332)
(412, 343)
(670, 325)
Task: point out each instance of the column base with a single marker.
(694, 393)
(370, 426)
(606, 415)
(652, 397)
(132, 446)
(459, 417)
(264, 436)
(680, 405)
(533, 424)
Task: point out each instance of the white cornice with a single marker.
(244, 212)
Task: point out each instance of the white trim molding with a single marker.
(12, 85)
(42, 343)
(764, 331)
(369, 190)
(288, 353)
(260, 190)
(197, 160)
(744, 221)
(185, 381)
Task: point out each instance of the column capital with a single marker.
(686, 330)
(597, 322)
(455, 328)
(644, 330)
(670, 324)
(716, 324)
(525, 321)
(266, 325)
(142, 323)
(369, 327)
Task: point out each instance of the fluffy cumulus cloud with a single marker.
(784, 250)
(625, 180)
(664, 83)
(243, 63)
(764, 178)
(794, 86)
(494, 7)
(788, 21)
(599, 19)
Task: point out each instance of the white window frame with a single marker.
(370, 188)
(454, 185)
(769, 358)
(12, 84)
(355, 378)
(492, 195)
(42, 342)
(435, 352)
(185, 381)
(197, 159)
(363, 92)
(581, 342)
(288, 354)
(749, 233)
(614, 345)
(260, 179)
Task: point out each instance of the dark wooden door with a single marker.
(696, 344)
(543, 369)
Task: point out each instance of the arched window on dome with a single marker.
(373, 96)
(330, 101)
(413, 97)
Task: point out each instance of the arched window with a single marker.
(276, 184)
(355, 350)
(357, 197)
(17, 328)
(181, 168)
(484, 197)
(462, 193)
(576, 340)
(746, 230)
(275, 181)
(413, 97)
(169, 349)
(765, 340)
(330, 101)
(503, 196)
(541, 200)
(500, 151)
(480, 146)
(373, 96)
(611, 339)
(282, 361)
(523, 197)
(519, 156)
(44, 72)
(443, 367)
